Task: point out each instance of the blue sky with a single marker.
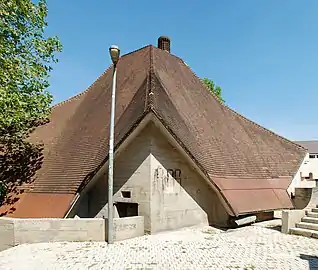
(264, 54)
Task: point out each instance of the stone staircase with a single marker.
(309, 224)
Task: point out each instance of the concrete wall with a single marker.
(6, 233)
(290, 218)
(19, 231)
(56, 230)
(128, 227)
(179, 195)
(166, 201)
(131, 173)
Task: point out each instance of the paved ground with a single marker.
(253, 247)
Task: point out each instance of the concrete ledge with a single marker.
(128, 227)
(6, 233)
(290, 218)
(14, 231)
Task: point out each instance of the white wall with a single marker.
(15, 231)
(307, 166)
(310, 166)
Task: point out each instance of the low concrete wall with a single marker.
(19, 231)
(128, 227)
(58, 230)
(14, 231)
(290, 218)
(6, 233)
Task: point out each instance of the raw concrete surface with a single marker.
(128, 227)
(169, 192)
(6, 233)
(15, 231)
(290, 218)
(260, 246)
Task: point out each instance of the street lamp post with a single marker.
(114, 54)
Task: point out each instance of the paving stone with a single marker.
(252, 247)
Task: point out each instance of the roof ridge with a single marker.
(149, 90)
(89, 87)
(239, 115)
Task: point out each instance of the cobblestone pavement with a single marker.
(252, 247)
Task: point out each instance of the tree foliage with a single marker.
(26, 58)
(217, 90)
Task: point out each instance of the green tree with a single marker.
(217, 90)
(26, 58)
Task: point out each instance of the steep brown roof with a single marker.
(232, 151)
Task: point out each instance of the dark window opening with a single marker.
(310, 177)
(312, 156)
(126, 194)
(175, 173)
(127, 209)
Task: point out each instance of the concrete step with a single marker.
(306, 225)
(315, 210)
(310, 220)
(312, 214)
(304, 232)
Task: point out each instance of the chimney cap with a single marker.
(164, 43)
(164, 37)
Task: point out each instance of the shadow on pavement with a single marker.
(312, 260)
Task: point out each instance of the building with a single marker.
(308, 172)
(182, 157)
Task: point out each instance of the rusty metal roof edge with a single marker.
(249, 177)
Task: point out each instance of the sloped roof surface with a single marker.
(312, 146)
(223, 143)
(82, 144)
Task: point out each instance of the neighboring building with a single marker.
(182, 157)
(308, 172)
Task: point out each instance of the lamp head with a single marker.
(114, 52)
